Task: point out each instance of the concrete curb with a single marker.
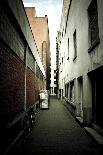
(95, 135)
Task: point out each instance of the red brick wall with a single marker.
(11, 82)
(31, 12)
(30, 87)
(39, 26)
(12, 68)
(34, 85)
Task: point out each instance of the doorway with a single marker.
(97, 97)
(80, 96)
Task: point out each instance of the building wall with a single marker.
(77, 79)
(31, 12)
(12, 95)
(25, 28)
(57, 60)
(62, 48)
(38, 30)
(53, 85)
(14, 42)
(39, 26)
(85, 61)
(66, 4)
(22, 74)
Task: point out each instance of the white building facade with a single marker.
(81, 60)
(53, 85)
(62, 48)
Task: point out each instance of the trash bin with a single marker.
(44, 99)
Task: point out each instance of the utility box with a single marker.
(44, 99)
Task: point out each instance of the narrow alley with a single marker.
(56, 132)
(51, 48)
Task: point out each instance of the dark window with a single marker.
(62, 59)
(75, 45)
(72, 91)
(62, 34)
(37, 71)
(67, 90)
(67, 95)
(68, 50)
(93, 24)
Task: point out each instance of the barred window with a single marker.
(93, 23)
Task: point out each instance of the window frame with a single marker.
(91, 23)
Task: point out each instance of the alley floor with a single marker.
(57, 133)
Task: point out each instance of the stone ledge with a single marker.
(79, 120)
(95, 135)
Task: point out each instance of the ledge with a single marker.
(95, 135)
(71, 103)
(79, 120)
(74, 58)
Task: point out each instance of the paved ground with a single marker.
(57, 133)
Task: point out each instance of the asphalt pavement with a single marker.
(57, 133)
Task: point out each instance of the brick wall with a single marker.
(33, 86)
(30, 88)
(18, 10)
(11, 81)
(40, 30)
(18, 59)
(12, 64)
(31, 12)
(10, 33)
(39, 26)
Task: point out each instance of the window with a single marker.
(62, 59)
(54, 76)
(75, 45)
(54, 71)
(67, 90)
(42, 52)
(72, 91)
(62, 34)
(37, 71)
(93, 25)
(68, 50)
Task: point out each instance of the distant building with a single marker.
(80, 60)
(60, 50)
(39, 26)
(53, 85)
(57, 61)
